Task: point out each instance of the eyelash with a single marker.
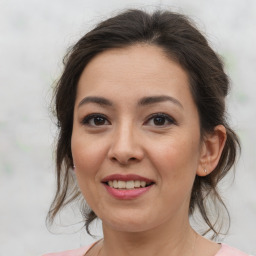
(167, 118)
(91, 117)
(86, 120)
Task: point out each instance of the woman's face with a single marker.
(136, 138)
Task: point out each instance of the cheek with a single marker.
(88, 157)
(87, 154)
(176, 157)
(176, 163)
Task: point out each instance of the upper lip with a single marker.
(126, 177)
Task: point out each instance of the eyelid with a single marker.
(170, 119)
(85, 120)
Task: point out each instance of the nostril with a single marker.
(114, 159)
(124, 161)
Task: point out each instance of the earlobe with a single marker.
(213, 144)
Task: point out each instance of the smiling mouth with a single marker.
(126, 185)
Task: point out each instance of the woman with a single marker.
(141, 116)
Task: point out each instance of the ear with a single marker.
(211, 150)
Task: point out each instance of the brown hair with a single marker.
(209, 85)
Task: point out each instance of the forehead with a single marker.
(134, 71)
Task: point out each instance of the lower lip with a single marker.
(127, 194)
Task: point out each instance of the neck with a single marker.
(179, 239)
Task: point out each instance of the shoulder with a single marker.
(227, 250)
(76, 252)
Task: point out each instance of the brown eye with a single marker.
(160, 119)
(95, 120)
(98, 121)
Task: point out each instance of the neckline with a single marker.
(220, 250)
(93, 244)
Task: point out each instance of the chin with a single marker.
(128, 222)
(128, 227)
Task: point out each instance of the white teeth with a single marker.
(136, 183)
(143, 184)
(131, 184)
(121, 184)
(115, 184)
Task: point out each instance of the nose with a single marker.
(126, 147)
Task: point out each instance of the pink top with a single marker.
(225, 250)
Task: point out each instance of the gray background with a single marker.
(34, 35)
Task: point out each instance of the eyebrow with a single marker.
(142, 102)
(98, 100)
(156, 99)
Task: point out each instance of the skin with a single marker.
(126, 139)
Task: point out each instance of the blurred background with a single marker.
(34, 36)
